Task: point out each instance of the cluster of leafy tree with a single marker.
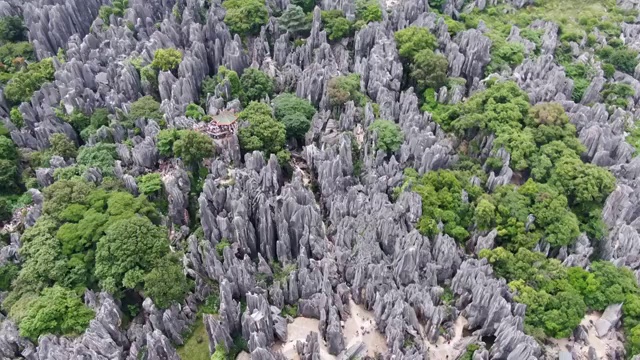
(196, 112)
(253, 85)
(342, 89)
(542, 144)
(295, 113)
(189, 145)
(245, 17)
(581, 74)
(617, 95)
(29, 79)
(10, 185)
(388, 135)
(85, 239)
(295, 21)
(338, 26)
(116, 9)
(262, 131)
(83, 124)
(416, 47)
(166, 59)
(15, 51)
(557, 297)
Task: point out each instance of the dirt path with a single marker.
(360, 326)
(449, 349)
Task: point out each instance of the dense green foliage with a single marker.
(429, 70)
(196, 112)
(223, 75)
(57, 311)
(256, 85)
(61, 145)
(336, 24)
(167, 59)
(411, 40)
(189, 145)
(345, 88)
(116, 9)
(100, 156)
(9, 181)
(294, 20)
(12, 29)
(149, 184)
(145, 107)
(295, 113)
(368, 11)
(388, 135)
(262, 132)
(245, 17)
(29, 79)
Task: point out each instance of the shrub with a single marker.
(336, 24)
(294, 20)
(57, 311)
(388, 135)
(368, 11)
(245, 17)
(617, 94)
(145, 107)
(25, 82)
(61, 145)
(345, 88)
(296, 125)
(256, 85)
(12, 29)
(167, 59)
(306, 5)
(429, 70)
(16, 117)
(411, 40)
(149, 184)
(262, 131)
(101, 156)
(505, 55)
(195, 112)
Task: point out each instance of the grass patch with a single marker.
(197, 345)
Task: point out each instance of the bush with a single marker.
(149, 184)
(294, 113)
(429, 70)
(336, 24)
(101, 156)
(345, 88)
(61, 145)
(12, 29)
(245, 17)
(623, 59)
(57, 311)
(294, 20)
(25, 82)
(224, 75)
(16, 117)
(263, 132)
(145, 107)
(195, 112)
(306, 5)
(368, 11)
(13, 55)
(504, 56)
(166, 59)
(617, 94)
(388, 135)
(256, 85)
(412, 40)
(296, 125)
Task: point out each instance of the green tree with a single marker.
(223, 75)
(245, 17)
(100, 156)
(504, 56)
(115, 267)
(485, 214)
(336, 24)
(166, 283)
(167, 59)
(345, 88)
(296, 126)
(412, 40)
(306, 5)
(145, 107)
(262, 131)
(368, 11)
(582, 183)
(429, 70)
(57, 311)
(99, 118)
(149, 184)
(289, 104)
(8, 165)
(165, 140)
(194, 111)
(633, 341)
(294, 20)
(25, 82)
(12, 29)
(192, 147)
(623, 59)
(256, 85)
(389, 137)
(16, 117)
(8, 273)
(62, 146)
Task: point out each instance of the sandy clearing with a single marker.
(602, 346)
(449, 349)
(360, 326)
